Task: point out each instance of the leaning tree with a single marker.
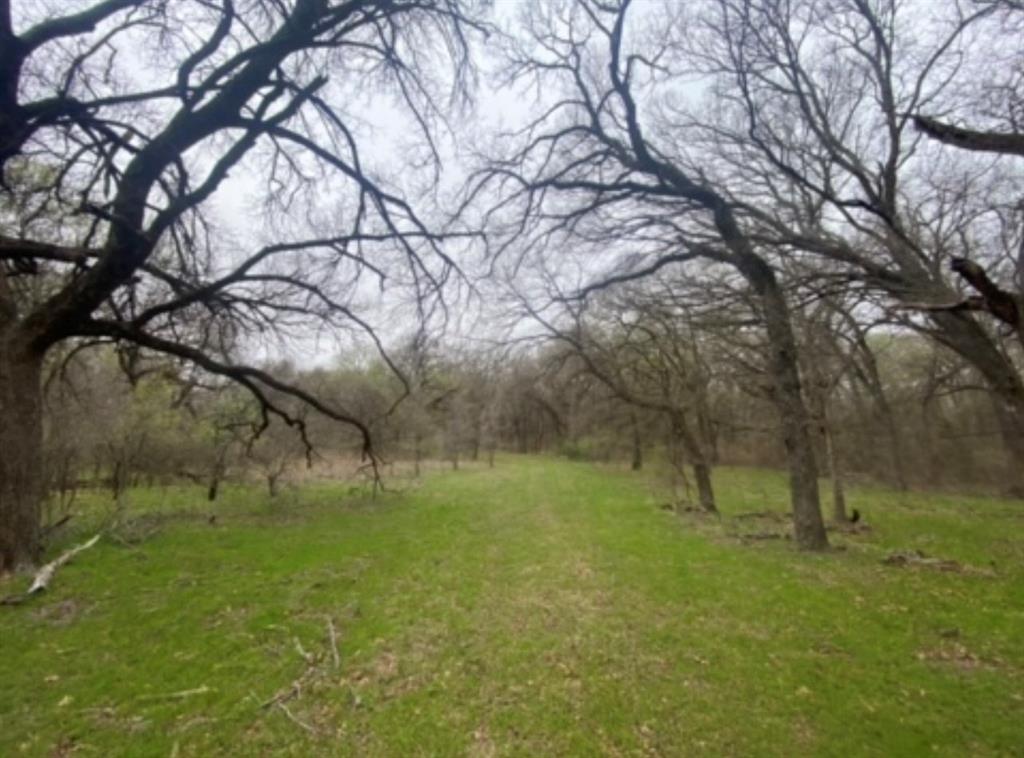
(811, 113)
(595, 173)
(120, 122)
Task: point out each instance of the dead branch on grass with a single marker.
(41, 581)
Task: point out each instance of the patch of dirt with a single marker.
(918, 559)
(690, 510)
(582, 569)
(765, 536)
(757, 526)
(64, 613)
(827, 648)
(766, 515)
(65, 746)
(482, 745)
(191, 722)
(385, 667)
(380, 671)
(957, 655)
(858, 528)
(109, 717)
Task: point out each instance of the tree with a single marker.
(119, 124)
(640, 347)
(999, 100)
(810, 112)
(588, 174)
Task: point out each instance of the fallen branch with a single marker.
(294, 690)
(45, 575)
(179, 695)
(307, 657)
(311, 674)
(333, 634)
(290, 715)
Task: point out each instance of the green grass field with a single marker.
(540, 608)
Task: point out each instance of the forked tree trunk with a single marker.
(699, 461)
(22, 482)
(808, 524)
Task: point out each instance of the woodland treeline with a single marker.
(641, 380)
(775, 233)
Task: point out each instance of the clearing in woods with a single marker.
(539, 608)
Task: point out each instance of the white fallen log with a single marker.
(45, 575)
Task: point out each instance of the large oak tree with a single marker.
(120, 122)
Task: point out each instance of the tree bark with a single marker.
(699, 462)
(808, 524)
(22, 482)
(705, 492)
(1005, 143)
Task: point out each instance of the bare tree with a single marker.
(812, 122)
(119, 123)
(587, 174)
(638, 347)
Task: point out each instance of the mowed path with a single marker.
(539, 608)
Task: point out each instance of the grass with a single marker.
(539, 608)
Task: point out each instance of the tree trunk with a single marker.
(1009, 411)
(808, 525)
(701, 467)
(219, 469)
(872, 380)
(702, 473)
(835, 471)
(967, 338)
(22, 484)
(638, 449)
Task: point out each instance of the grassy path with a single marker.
(542, 608)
